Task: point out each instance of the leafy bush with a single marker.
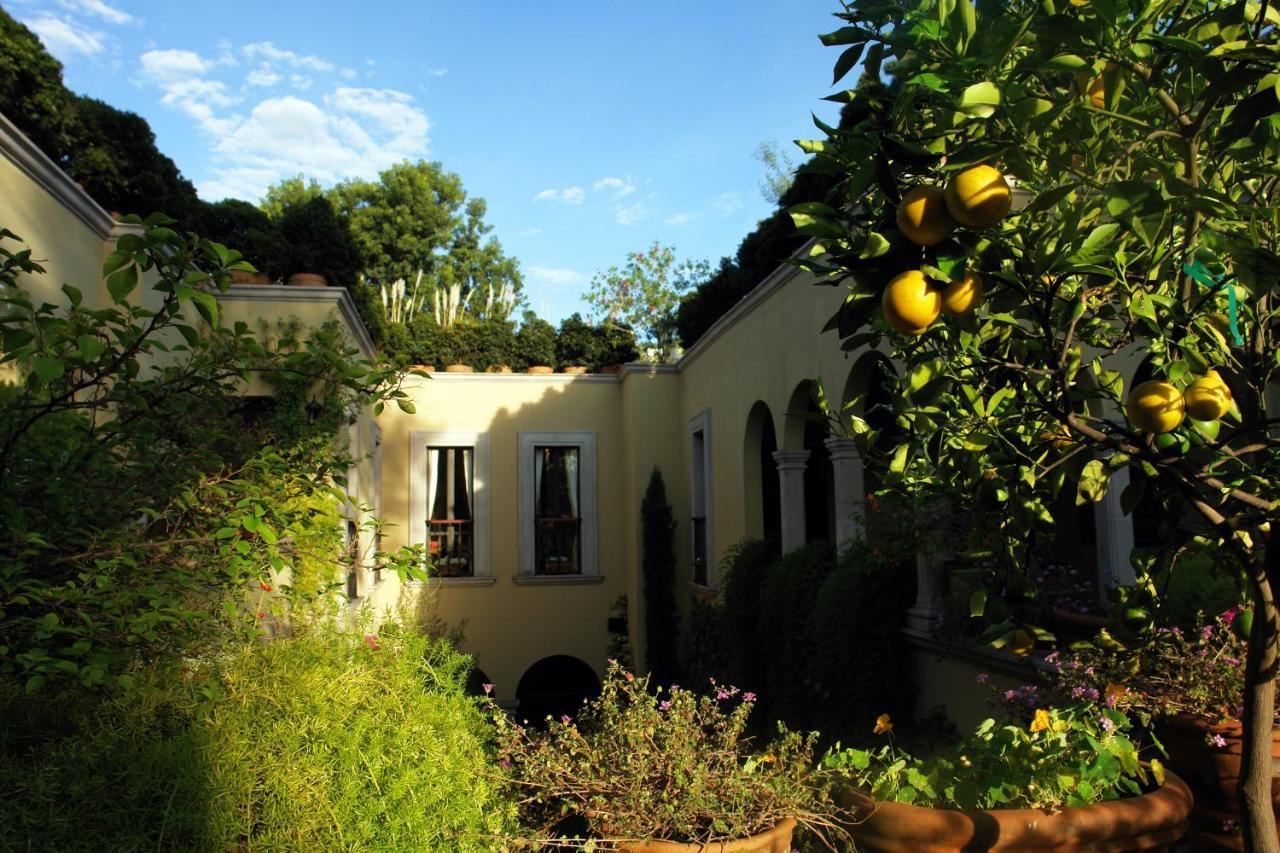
(856, 650)
(318, 239)
(578, 343)
(535, 343)
(324, 740)
(242, 226)
(619, 345)
(661, 617)
(743, 570)
(787, 597)
(488, 343)
(703, 651)
(1070, 756)
(680, 769)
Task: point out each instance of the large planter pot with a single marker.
(1152, 821)
(1213, 773)
(575, 370)
(459, 368)
(776, 840)
(246, 277)
(611, 369)
(541, 369)
(307, 279)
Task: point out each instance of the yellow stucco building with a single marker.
(526, 489)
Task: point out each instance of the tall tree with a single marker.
(644, 294)
(661, 617)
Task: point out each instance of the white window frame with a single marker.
(585, 441)
(701, 423)
(420, 441)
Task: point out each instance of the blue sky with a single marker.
(591, 128)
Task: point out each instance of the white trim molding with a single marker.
(419, 442)
(24, 154)
(585, 441)
(701, 423)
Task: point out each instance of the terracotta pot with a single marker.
(425, 368)
(307, 279)
(1213, 773)
(776, 840)
(1152, 821)
(541, 369)
(498, 368)
(612, 369)
(576, 370)
(246, 277)
(459, 368)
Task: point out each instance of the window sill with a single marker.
(557, 580)
(702, 592)
(473, 581)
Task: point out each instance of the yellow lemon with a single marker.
(1155, 407)
(911, 303)
(922, 215)
(1208, 398)
(1093, 88)
(979, 196)
(961, 296)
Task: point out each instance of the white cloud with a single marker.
(727, 204)
(348, 74)
(551, 275)
(437, 72)
(98, 9)
(679, 219)
(568, 195)
(262, 76)
(158, 66)
(268, 52)
(621, 188)
(630, 214)
(301, 81)
(180, 75)
(65, 38)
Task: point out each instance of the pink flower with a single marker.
(982, 677)
(664, 705)
(1107, 725)
(1217, 740)
(566, 719)
(748, 696)
(371, 641)
(488, 688)
(1230, 615)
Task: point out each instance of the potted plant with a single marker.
(1067, 778)
(1189, 685)
(536, 344)
(578, 347)
(618, 346)
(672, 772)
(246, 228)
(319, 248)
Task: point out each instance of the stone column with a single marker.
(846, 465)
(1115, 536)
(791, 464)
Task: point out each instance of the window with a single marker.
(450, 523)
(449, 503)
(557, 504)
(351, 535)
(700, 498)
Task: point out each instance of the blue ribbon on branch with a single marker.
(1200, 273)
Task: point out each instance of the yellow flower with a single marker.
(883, 725)
(1157, 770)
(767, 759)
(1041, 720)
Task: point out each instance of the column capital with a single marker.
(791, 460)
(841, 448)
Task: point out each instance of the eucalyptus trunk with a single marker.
(1257, 814)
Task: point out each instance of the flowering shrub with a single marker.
(1070, 756)
(676, 767)
(1197, 672)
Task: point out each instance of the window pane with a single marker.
(558, 526)
(450, 533)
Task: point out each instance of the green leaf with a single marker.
(73, 294)
(207, 305)
(1067, 62)
(844, 35)
(47, 367)
(90, 347)
(847, 60)
(1092, 486)
(122, 282)
(978, 603)
(980, 99)
(407, 407)
(928, 79)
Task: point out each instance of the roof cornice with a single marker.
(335, 296)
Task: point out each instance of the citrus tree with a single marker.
(1052, 193)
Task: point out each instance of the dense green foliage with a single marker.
(658, 571)
(787, 595)
(536, 342)
(322, 740)
(742, 572)
(142, 494)
(643, 295)
(679, 768)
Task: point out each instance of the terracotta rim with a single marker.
(541, 369)
(308, 279)
(459, 368)
(1133, 823)
(776, 840)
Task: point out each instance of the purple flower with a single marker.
(748, 696)
(722, 694)
(1206, 632)
(1107, 725)
(1232, 661)
(1010, 695)
(566, 719)
(488, 688)
(664, 705)
(1217, 740)
(505, 764)
(1052, 656)
(1230, 616)
(982, 677)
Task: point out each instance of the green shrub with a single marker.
(703, 652)
(246, 228)
(488, 343)
(743, 569)
(661, 618)
(857, 653)
(578, 343)
(787, 597)
(317, 239)
(317, 742)
(618, 346)
(535, 342)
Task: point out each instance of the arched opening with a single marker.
(761, 489)
(476, 681)
(553, 687)
(805, 430)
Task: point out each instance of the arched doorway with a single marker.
(553, 687)
(807, 431)
(761, 489)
